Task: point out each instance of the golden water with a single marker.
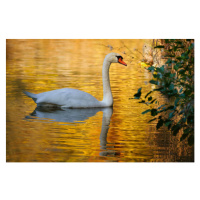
(121, 134)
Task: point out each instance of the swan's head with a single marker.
(115, 58)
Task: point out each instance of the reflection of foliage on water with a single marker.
(174, 79)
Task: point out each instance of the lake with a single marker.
(117, 134)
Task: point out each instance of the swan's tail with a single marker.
(33, 96)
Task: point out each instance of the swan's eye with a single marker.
(120, 60)
(118, 57)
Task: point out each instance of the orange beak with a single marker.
(122, 62)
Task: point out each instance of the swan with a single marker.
(73, 98)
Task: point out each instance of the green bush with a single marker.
(175, 80)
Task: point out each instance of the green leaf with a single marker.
(152, 101)
(148, 94)
(182, 95)
(154, 82)
(138, 94)
(176, 67)
(176, 102)
(191, 140)
(167, 41)
(191, 46)
(139, 90)
(167, 74)
(161, 69)
(136, 97)
(175, 129)
(164, 109)
(151, 68)
(184, 55)
(171, 115)
(178, 42)
(184, 119)
(169, 126)
(185, 134)
(167, 123)
(154, 112)
(150, 98)
(170, 108)
(175, 91)
(169, 61)
(190, 119)
(159, 46)
(172, 75)
(159, 124)
(156, 75)
(146, 111)
(182, 71)
(161, 106)
(152, 119)
(158, 89)
(171, 87)
(188, 92)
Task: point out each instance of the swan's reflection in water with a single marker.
(79, 116)
(107, 114)
(67, 115)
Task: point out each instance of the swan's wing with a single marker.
(67, 97)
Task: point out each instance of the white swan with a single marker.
(73, 98)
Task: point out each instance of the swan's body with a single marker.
(73, 98)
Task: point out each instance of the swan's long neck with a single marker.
(107, 93)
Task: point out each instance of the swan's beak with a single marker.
(122, 62)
